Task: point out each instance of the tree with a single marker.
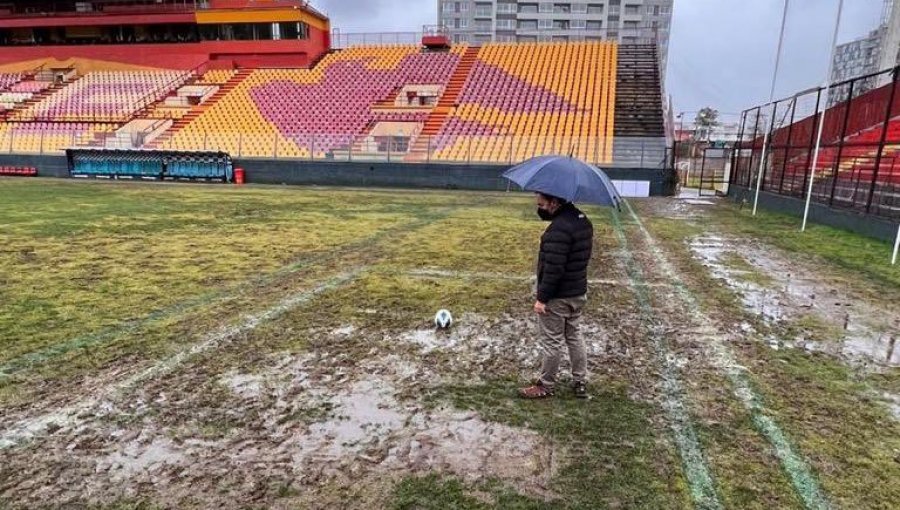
(706, 119)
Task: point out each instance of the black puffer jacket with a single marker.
(566, 248)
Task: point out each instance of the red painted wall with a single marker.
(293, 53)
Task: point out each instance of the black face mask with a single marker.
(544, 214)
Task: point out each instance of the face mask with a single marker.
(544, 214)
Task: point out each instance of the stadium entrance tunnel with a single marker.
(150, 165)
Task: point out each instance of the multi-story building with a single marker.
(877, 51)
(627, 21)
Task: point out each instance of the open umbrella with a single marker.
(565, 177)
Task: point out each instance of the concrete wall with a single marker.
(360, 174)
(821, 214)
(426, 175)
(48, 166)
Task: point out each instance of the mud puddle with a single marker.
(782, 293)
(295, 424)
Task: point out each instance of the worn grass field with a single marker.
(178, 346)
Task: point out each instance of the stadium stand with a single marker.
(510, 101)
(851, 164)
(217, 76)
(105, 96)
(9, 79)
(639, 127)
(525, 99)
(311, 112)
(497, 103)
(38, 137)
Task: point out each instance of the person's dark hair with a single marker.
(560, 201)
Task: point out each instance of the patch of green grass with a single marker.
(433, 492)
(812, 327)
(58, 288)
(74, 283)
(674, 236)
(615, 457)
(746, 271)
(888, 381)
(824, 406)
(497, 237)
(746, 470)
(851, 441)
(854, 253)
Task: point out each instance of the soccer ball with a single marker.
(443, 319)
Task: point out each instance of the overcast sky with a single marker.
(722, 52)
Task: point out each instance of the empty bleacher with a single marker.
(216, 76)
(42, 137)
(9, 79)
(516, 100)
(106, 96)
(522, 100)
(498, 103)
(312, 112)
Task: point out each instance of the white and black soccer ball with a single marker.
(443, 319)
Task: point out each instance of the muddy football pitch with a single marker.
(190, 346)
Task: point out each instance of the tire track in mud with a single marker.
(802, 478)
(696, 470)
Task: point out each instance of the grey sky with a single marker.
(721, 54)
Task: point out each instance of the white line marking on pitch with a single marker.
(802, 478)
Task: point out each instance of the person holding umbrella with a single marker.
(565, 253)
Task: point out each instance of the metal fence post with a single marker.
(736, 155)
(753, 145)
(807, 170)
(787, 148)
(881, 142)
(768, 139)
(837, 162)
(702, 172)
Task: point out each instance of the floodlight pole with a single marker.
(815, 161)
(762, 159)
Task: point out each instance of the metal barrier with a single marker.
(859, 156)
(620, 152)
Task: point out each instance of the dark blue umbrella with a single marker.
(567, 178)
